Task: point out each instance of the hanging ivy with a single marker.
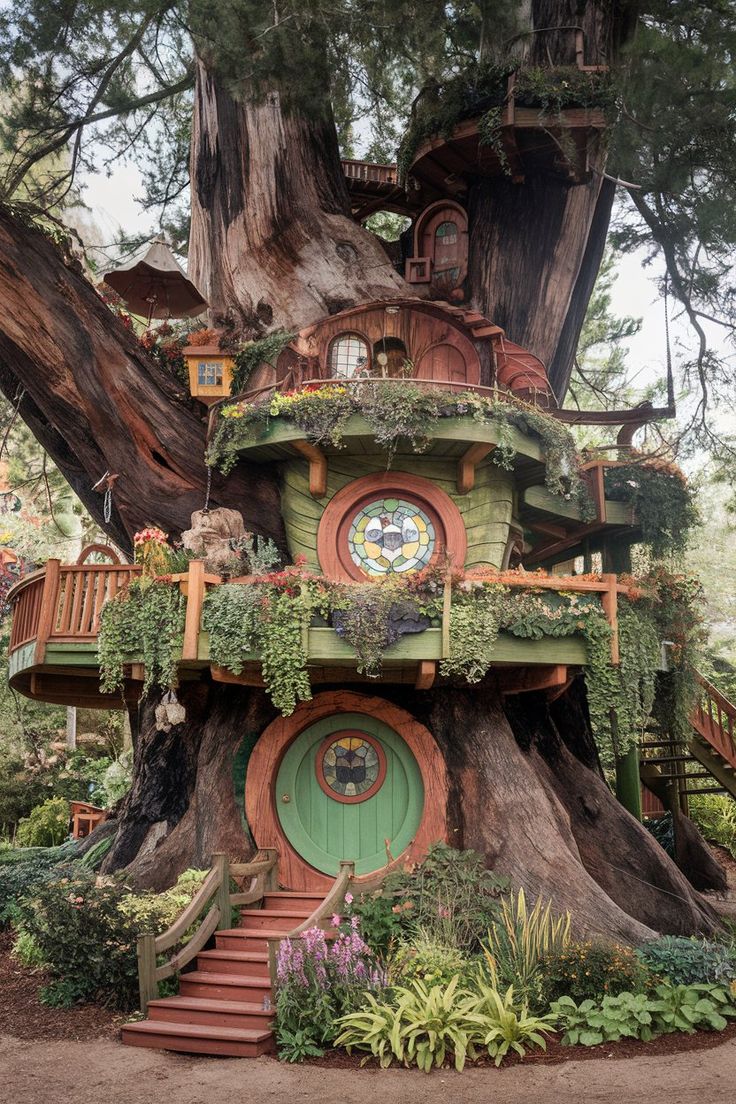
(253, 353)
(663, 501)
(401, 411)
(143, 623)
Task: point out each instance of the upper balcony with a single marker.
(56, 621)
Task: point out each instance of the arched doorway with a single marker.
(348, 776)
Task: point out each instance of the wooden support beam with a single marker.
(521, 680)
(249, 676)
(446, 610)
(426, 674)
(317, 467)
(49, 604)
(195, 600)
(609, 601)
(466, 465)
(557, 531)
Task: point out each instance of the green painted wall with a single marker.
(486, 510)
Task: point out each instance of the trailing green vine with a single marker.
(143, 623)
(252, 353)
(400, 411)
(663, 501)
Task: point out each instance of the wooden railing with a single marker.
(714, 719)
(369, 170)
(262, 875)
(321, 917)
(63, 603)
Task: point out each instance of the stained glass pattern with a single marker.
(350, 766)
(391, 535)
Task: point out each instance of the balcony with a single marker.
(56, 616)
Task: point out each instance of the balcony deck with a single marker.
(56, 614)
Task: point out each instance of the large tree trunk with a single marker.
(97, 403)
(272, 241)
(520, 794)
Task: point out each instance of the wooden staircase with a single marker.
(225, 1005)
(706, 765)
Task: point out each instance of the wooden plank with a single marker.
(466, 465)
(609, 601)
(49, 602)
(195, 599)
(426, 674)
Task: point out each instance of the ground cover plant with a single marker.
(686, 961)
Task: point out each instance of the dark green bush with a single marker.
(689, 961)
(88, 944)
(21, 877)
(47, 825)
(591, 970)
(662, 830)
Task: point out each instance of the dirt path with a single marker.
(43, 1072)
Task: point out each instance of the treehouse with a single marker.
(413, 441)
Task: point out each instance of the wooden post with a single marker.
(271, 879)
(609, 601)
(147, 984)
(317, 467)
(49, 605)
(273, 950)
(195, 598)
(222, 897)
(446, 611)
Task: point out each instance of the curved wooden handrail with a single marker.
(102, 549)
(215, 889)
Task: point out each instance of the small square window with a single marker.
(209, 373)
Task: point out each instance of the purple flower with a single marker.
(336, 920)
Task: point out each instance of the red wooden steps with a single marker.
(220, 1007)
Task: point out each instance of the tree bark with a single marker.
(272, 241)
(520, 794)
(97, 403)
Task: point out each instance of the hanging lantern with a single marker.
(210, 370)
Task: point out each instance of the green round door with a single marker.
(346, 786)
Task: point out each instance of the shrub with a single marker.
(88, 944)
(450, 897)
(518, 942)
(427, 961)
(591, 970)
(663, 831)
(86, 934)
(47, 825)
(687, 961)
(317, 982)
(715, 816)
(21, 877)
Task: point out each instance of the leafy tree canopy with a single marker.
(98, 81)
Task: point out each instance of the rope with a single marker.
(107, 506)
(206, 508)
(643, 881)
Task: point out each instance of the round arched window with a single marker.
(349, 356)
(388, 524)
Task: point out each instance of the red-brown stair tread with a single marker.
(220, 1008)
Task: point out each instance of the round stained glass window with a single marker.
(351, 766)
(391, 535)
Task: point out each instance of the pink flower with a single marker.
(348, 898)
(336, 920)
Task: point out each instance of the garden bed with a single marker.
(676, 1043)
(23, 1016)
